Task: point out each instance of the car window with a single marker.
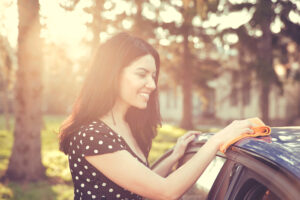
(222, 185)
(251, 185)
(254, 190)
(203, 185)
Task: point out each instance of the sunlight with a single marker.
(107, 5)
(63, 26)
(121, 7)
(148, 13)
(231, 38)
(170, 14)
(9, 21)
(208, 177)
(155, 3)
(276, 25)
(294, 17)
(104, 36)
(127, 24)
(280, 70)
(233, 20)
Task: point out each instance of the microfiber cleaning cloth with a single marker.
(259, 128)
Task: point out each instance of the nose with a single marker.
(151, 84)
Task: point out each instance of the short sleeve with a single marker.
(99, 142)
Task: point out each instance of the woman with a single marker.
(109, 133)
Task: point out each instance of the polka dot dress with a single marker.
(96, 138)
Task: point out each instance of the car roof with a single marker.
(282, 148)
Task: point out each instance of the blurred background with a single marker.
(220, 60)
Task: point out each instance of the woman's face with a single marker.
(137, 82)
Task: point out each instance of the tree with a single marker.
(189, 61)
(25, 161)
(257, 38)
(139, 21)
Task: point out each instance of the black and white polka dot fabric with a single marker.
(89, 183)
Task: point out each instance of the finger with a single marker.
(245, 123)
(188, 140)
(249, 124)
(236, 121)
(179, 139)
(248, 131)
(188, 134)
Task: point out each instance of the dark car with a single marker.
(262, 168)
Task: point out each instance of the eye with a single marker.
(141, 74)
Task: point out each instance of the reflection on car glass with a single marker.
(253, 190)
(235, 169)
(203, 185)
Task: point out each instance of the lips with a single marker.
(145, 95)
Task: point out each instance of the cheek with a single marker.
(134, 83)
(129, 88)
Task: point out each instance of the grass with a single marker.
(59, 184)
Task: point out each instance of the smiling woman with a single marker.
(138, 82)
(120, 91)
(109, 133)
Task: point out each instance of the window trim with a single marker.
(225, 173)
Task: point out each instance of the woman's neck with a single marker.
(117, 114)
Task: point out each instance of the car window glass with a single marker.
(229, 172)
(203, 185)
(254, 190)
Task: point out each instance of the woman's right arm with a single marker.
(122, 168)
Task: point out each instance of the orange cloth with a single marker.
(259, 128)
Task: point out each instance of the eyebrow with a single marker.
(146, 70)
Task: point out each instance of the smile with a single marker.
(145, 96)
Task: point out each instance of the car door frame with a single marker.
(267, 173)
(267, 170)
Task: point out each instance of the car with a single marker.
(261, 168)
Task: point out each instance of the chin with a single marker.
(142, 106)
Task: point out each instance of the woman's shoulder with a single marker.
(96, 138)
(94, 128)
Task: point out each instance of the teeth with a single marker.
(145, 95)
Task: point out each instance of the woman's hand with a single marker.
(182, 143)
(233, 130)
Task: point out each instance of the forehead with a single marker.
(146, 61)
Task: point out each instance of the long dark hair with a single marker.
(101, 88)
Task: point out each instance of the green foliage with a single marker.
(40, 190)
(6, 141)
(59, 184)
(165, 139)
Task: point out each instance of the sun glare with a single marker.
(170, 14)
(62, 26)
(234, 20)
(9, 21)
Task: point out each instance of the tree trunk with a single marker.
(25, 162)
(97, 23)
(265, 58)
(264, 102)
(186, 121)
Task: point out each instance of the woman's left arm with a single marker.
(164, 168)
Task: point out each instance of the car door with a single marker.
(254, 178)
(202, 187)
(239, 176)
